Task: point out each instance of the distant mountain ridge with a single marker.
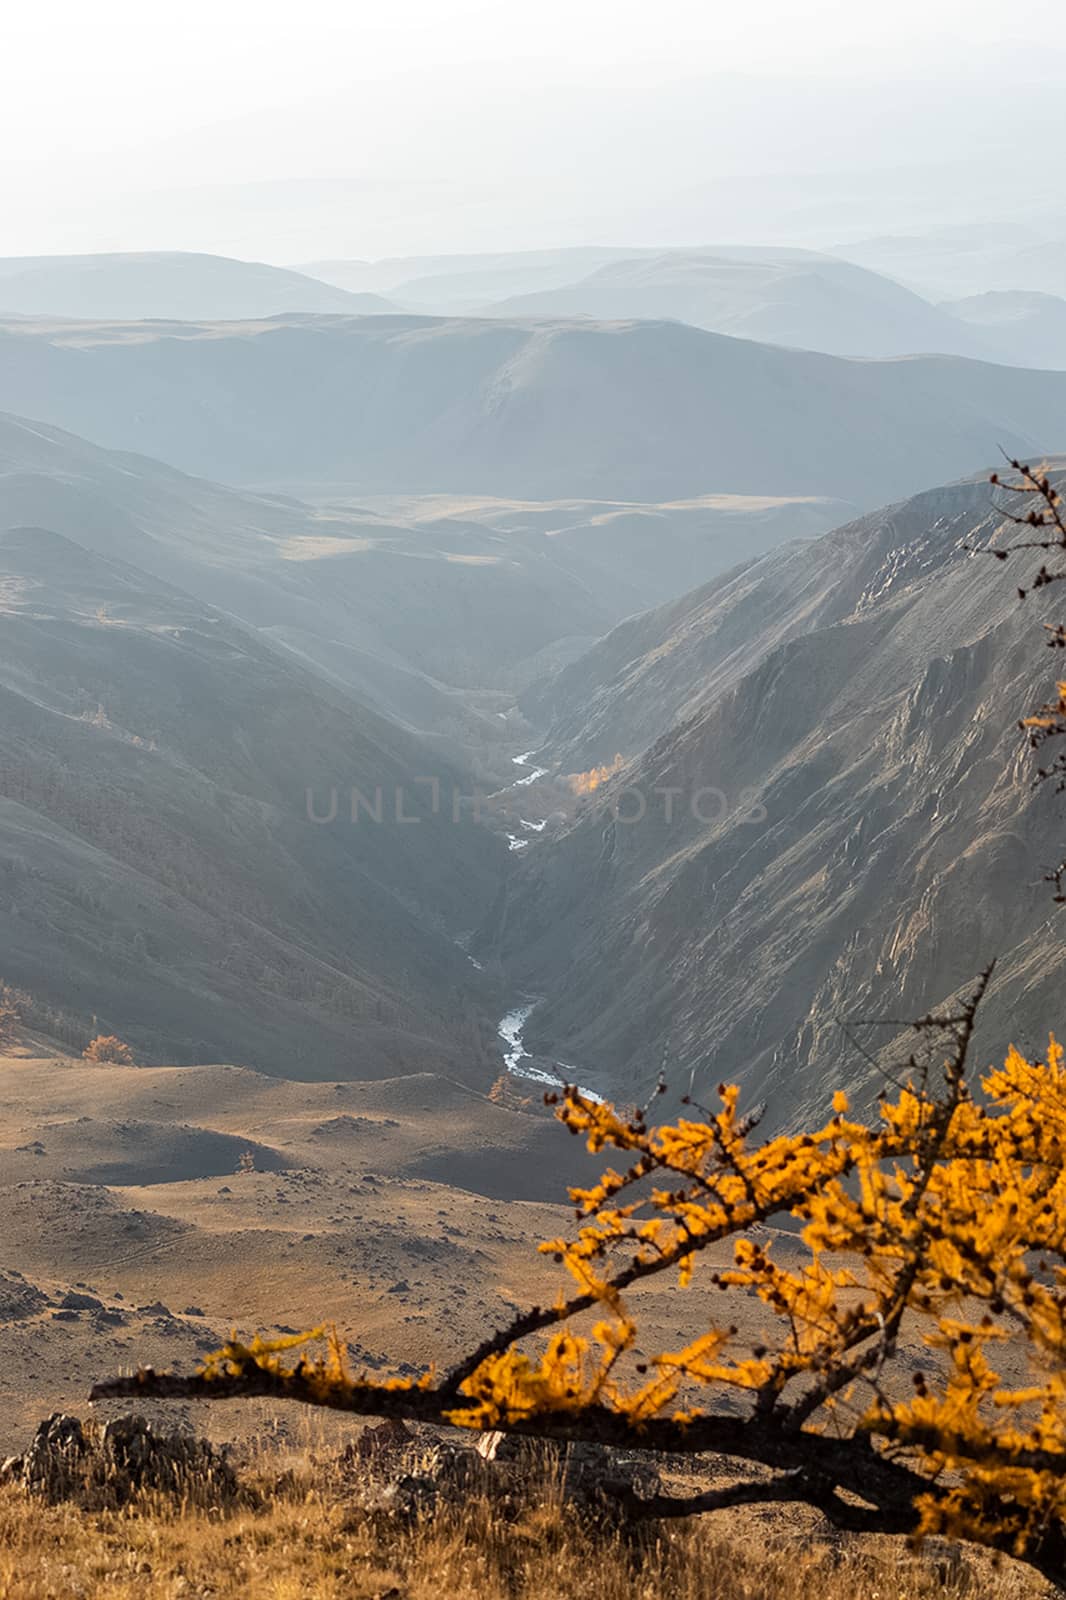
(649, 411)
(804, 299)
(172, 285)
(458, 282)
(794, 298)
(1028, 327)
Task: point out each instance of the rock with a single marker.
(73, 1301)
(110, 1317)
(106, 1464)
(510, 1469)
(54, 1459)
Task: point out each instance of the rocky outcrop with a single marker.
(107, 1463)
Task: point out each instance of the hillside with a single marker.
(372, 1203)
(872, 837)
(970, 258)
(460, 283)
(1027, 327)
(795, 298)
(177, 285)
(432, 610)
(650, 411)
(661, 667)
(158, 866)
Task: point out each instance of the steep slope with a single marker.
(172, 284)
(160, 865)
(841, 824)
(663, 665)
(648, 411)
(797, 298)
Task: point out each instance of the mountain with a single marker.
(433, 611)
(162, 868)
(970, 259)
(839, 820)
(460, 283)
(1027, 327)
(649, 411)
(795, 297)
(661, 667)
(175, 285)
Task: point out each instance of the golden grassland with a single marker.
(309, 1543)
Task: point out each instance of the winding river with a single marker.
(517, 1059)
(519, 1062)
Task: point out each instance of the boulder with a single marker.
(107, 1463)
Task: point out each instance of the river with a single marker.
(517, 1059)
(519, 1062)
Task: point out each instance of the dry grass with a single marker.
(311, 1544)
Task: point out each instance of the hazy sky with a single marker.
(335, 127)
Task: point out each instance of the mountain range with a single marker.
(175, 285)
(400, 548)
(970, 258)
(648, 411)
(864, 833)
(805, 299)
(181, 663)
(794, 297)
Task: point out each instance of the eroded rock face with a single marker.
(108, 1462)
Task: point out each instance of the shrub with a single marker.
(107, 1048)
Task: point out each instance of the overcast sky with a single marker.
(339, 128)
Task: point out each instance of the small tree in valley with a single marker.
(106, 1047)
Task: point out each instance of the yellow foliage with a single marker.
(106, 1047)
(947, 1212)
(583, 783)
